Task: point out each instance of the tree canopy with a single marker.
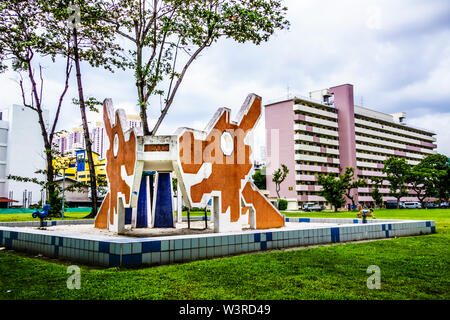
(166, 36)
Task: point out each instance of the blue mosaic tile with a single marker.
(114, 260)
(186, 243)
(269, 236)
(257, 237)
(13, 235)
(132, 259)
(263, 245)
(156, 246)
(433, 229)
(335, 237)
(103, 246)
(305, 220)
(126, 248)
(146, 247)
(428, 224)
(165, 245)
(136, 247)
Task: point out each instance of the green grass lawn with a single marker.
(411, 268)
(10, 217)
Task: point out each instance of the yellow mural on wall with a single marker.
(77, 167)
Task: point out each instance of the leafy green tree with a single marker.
(397, 171)
(278, 177)
(24, 42)
(350, 184)
(167, 36)
(259, 179)
(377, 196)
(92, 40)
(282, 204)
(420, 180)
(437, 172)
(333, 189)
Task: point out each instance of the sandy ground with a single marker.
(197, 227)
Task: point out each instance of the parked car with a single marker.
(312, 206)
(392, 204)
(431, 206)
(412, 205)
(444, 205)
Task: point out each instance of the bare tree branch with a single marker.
(23, 94)
(177, 85)
(61, 97)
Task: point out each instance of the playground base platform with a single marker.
(140, 249)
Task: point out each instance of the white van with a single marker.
(412, 205)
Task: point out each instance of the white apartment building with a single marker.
(21, 154)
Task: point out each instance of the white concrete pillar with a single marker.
(149, 204)
(119, 219)
(179, 204)
(215, 213)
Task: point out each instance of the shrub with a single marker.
(282, 204)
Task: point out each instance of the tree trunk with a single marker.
(422, 203)
(87, 139)
(277, 189)
(52, 197)
(140, 85)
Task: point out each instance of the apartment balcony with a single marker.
(307, 128)
(370, 156)
(312, 148)
(362, 164)
(305, 177)
(380, 142)
(310, 188)
(384, 135)
(311, 198)
(369, 190)
(304, 108)
(318, 121)
(394, 130)
(305, 157)
(304, 137)
(322, 169)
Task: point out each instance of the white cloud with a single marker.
(395, 53)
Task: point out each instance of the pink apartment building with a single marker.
(327, 132)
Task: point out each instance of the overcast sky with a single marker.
(395, 53)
